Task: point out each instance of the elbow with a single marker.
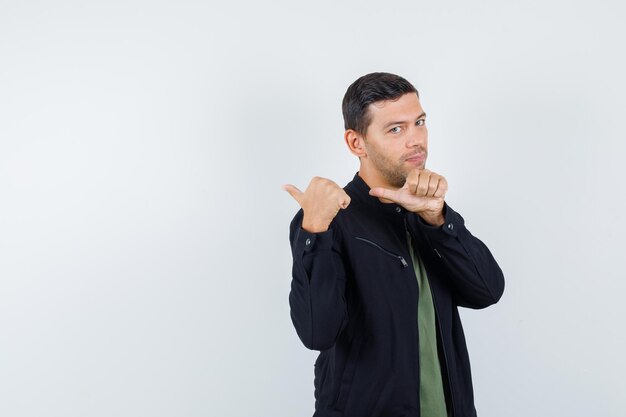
(324, 338)
(491, 300)
(487, 296)
(496, 290)
(318, 344)
(498, 287)
(320, 337)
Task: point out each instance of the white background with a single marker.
(144, 257)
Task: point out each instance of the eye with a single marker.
(395, 129)
(420, 122)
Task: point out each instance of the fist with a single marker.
(423, 193)
(425, 183)
(320, 202)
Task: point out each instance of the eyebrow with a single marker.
(402, 121)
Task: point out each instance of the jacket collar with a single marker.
(359, 189)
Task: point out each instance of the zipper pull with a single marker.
(404, 264)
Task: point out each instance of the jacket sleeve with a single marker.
(317, 296)
(474, 274)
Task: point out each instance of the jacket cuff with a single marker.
(308, 242)
(452, 225)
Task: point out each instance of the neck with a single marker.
(373, 179)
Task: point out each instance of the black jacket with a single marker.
(354, 298)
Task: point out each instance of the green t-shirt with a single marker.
(432, 399)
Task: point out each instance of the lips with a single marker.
(415, 158)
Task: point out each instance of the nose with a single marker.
(417, 137)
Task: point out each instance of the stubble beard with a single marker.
(395, 173)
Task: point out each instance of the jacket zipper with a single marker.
(443, 347)
(400, 258)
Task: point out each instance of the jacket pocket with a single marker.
(399, 258)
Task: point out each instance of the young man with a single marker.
(380, 267)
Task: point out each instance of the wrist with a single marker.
(314, 226)
(433, 219)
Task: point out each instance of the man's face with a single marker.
(396, 141)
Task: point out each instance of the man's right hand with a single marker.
(321, 202)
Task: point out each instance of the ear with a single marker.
(355, 143)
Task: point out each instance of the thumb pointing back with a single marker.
(293, 191)
(385, 193)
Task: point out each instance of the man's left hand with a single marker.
(423, 193)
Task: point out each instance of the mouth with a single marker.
(416, 159)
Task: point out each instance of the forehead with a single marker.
(405, 108)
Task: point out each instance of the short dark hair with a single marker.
(368, 89)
